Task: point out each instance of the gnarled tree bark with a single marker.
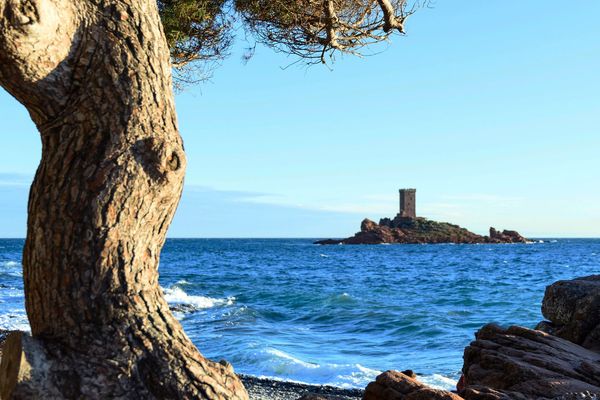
(95, 77)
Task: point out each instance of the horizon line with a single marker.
(314, 237)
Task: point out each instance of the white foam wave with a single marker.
(287, 367)
(283, 366)
(176, 295)
(438, 381)
(12, 292)
(16, 274)
(324, 255)
(10, 264)
(11, 268)
(357, 379)
(292, 359)
(14, 321)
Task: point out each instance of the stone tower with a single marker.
(408, 203)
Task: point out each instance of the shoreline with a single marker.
(271, 389)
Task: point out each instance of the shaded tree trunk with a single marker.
(95, 77)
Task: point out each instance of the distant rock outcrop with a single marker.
(421, 230)
(506, 236)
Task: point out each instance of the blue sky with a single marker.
(491, 109)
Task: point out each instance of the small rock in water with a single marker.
(410, 373)
(183, 308)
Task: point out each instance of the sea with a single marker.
(339, 315)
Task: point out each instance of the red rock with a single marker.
(394, 385)
(506, 236)
(368, 225)
(421, 230)
(573, 307)
(520, 363)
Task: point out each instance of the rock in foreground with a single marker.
(520, 363)
(394, 385)
(524, 364)
(421, 230)
(573, 308)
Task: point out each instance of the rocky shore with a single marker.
(403, 230)
(559, 360)
(269, 389)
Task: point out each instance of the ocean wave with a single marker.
(12, 274)
(14, 321)
(176, 295)
(438, 381)
(11, 268)
(277, 364)
(343, 298)
(10, 264)
(13, 292)
(293, 360)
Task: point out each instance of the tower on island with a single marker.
(408, 203)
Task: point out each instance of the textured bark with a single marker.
(95, 77)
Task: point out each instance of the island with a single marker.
(407, 228)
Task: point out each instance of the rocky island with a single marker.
(407, 228)
(559, 360)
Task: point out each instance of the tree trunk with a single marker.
(95, 77)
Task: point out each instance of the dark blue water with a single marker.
(339, 314)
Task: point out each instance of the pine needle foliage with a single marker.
(200, 32)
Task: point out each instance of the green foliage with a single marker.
(200, 32)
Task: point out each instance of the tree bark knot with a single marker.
(158, 158)
(22, 12)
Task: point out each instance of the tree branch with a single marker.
(391, 21)
(36, 38)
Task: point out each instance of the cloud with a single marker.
(369, 204)
(380, 205)
(207, 212)
(15, 180)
